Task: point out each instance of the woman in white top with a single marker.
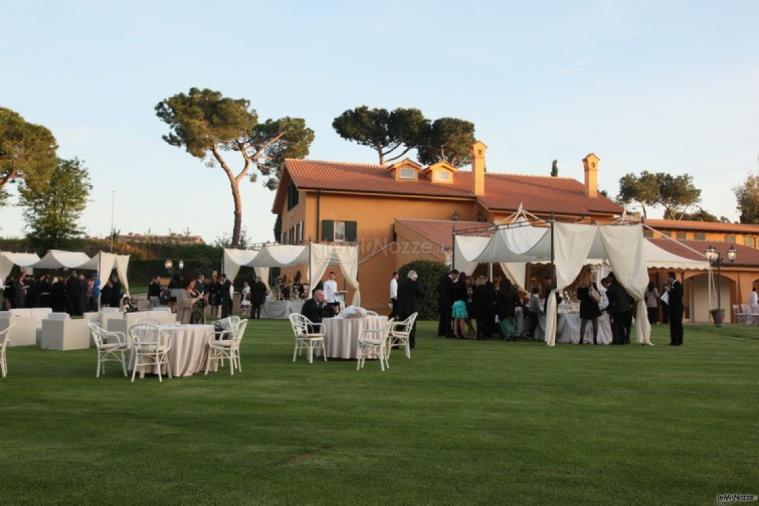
(245, 298)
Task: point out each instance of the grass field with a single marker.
(462, 423)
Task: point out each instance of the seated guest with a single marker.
(316, 308)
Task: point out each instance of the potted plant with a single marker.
(718, 315)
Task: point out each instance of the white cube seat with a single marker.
(24, 331)
(65, 335)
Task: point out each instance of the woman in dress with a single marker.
(186, 299)
(245, 301)
(652, 303)
(589, 310)
(459, 314)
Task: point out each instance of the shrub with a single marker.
(429, 277)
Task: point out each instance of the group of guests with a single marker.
(613, 298)
(194, 297)
(73, 293)
(462, 299)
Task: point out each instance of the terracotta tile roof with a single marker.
(538, 194)
(745, 256)
(439, 232)
(703, 226)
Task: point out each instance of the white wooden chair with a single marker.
(307, 335)
(400, 335)
(111, 346)
(150, 346)
(219, 349)
(4, 340)
(374, 342)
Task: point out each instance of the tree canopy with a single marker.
(674, 193)
(555, 168)
(52, 211)
(700, 215)
(449, 140)
(394, 133)
(27, 152)
(747, 196)
(387, 132)
(207, 124)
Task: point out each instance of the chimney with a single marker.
(478, 168)
(590, 163)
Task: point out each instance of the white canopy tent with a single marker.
(316, 256)
(9, 259)
(103, 263)
(571, 246)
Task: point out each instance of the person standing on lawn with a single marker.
(675, 302)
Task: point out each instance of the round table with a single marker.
(341, 334)
(189, 349)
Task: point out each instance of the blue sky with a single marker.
(670, 86)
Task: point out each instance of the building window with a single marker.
(407, 173)
(749, 240)
(681, 236)
(292, 196)
(646, 232)
(443, 175)
(667, 234)
(730, 238)
(339, 231)
(699, 236)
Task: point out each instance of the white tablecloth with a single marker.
(189, 349)
(568, 328)
(341, 334)
(280, 309)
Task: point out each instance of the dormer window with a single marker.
(407, 173)
(441, 172)
(405, 170)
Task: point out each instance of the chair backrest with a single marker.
(4, 339)
(406, 325)
(96, 331)
(58, 316)
(239, 334)
(147, 334)
(300, 324)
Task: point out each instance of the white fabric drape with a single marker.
(5, 268)
(515, 271)
(233, 259)
(122, 264)
(347, 258)
(624, 249)
(58, 259)
(572, 243)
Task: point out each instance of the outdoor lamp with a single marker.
(181, 265)
(168, 264)
(711, 254)
(731, 253)
(456, 216)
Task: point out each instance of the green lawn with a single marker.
(462, 423)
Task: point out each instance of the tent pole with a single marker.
(553, 267)
(453, 248)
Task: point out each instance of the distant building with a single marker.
(132, 238)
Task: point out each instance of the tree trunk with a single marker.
(235, 185)
(381, 156)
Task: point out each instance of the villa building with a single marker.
(403, 212)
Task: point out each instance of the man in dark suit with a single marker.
(226, 295)
(445, 301)
(316, 308)
(620, 309)
(409, 293)
(675, 311)
(257, 297)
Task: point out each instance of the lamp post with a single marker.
(169, 265)
(715, 259)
